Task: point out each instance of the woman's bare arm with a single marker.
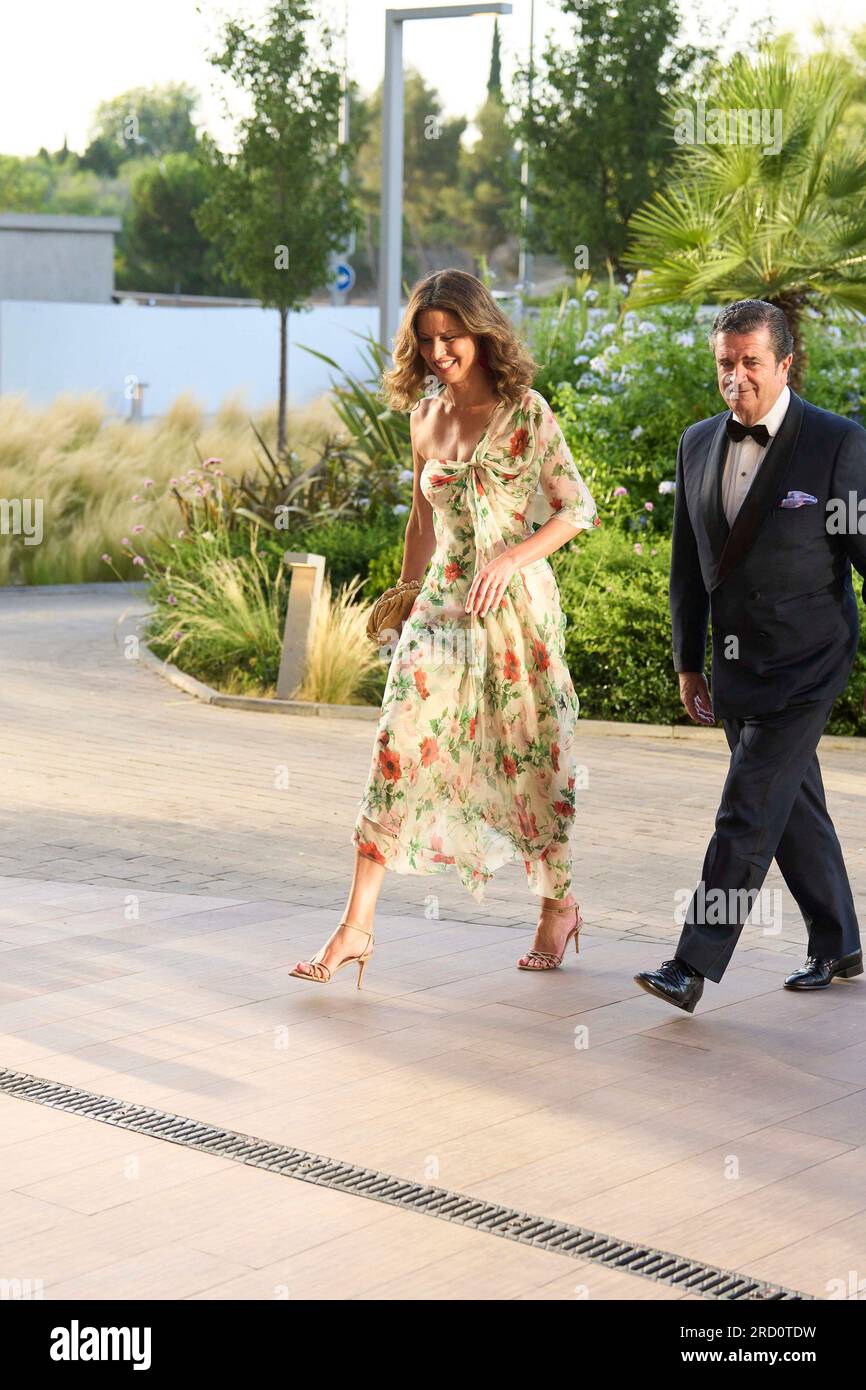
(420, 534)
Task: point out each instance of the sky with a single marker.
(58, 60)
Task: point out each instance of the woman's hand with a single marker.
(490, 583)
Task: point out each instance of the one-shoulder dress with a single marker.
(474, 760)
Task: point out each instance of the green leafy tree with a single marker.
(743, 219)
(163, 247)
(277, 207)
(595, 128)
(490, 177)
(436, 211)
(494, 81)
(141, 123)
(25, 184)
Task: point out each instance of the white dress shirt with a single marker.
(745, 457)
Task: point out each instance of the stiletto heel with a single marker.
(551, 960)
(320, 974)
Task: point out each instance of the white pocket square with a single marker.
(798, 499)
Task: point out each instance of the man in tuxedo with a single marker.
(770, 515)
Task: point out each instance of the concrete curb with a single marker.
(605, 728)
(209, 696)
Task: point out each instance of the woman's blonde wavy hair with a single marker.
(511, 367)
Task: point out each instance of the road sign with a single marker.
(344, 277)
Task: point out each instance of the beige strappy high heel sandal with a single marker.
(320, 973)
(552, 961)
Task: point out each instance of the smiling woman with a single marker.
(474, 759)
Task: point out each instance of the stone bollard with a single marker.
(308, 573)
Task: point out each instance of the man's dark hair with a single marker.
(745, 315)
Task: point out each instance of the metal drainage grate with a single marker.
(543, 1234)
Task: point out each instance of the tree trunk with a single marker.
(792, 306)
(281, 404)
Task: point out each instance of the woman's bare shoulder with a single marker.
(420, 411)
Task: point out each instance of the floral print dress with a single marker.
(474, 761)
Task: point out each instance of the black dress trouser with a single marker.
(772, 806)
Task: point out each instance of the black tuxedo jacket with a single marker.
(777, 584)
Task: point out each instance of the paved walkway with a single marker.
(162, 864)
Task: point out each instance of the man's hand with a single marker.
(695, 695)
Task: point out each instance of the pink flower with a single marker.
(137, 530)
(124, 540)
(148, 482)
(107, 559)
(137, 560)
(181, 534)
(135, 497)
(620, 492)
(648, 506)
(171, 599)
(638, 548)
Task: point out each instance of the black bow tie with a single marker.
(759, 433)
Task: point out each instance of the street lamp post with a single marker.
(391, 206)
(525, 265)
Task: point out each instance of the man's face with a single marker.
(750, 378)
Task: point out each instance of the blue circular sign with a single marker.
(344, 276)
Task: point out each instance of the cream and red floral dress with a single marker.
(474, 761)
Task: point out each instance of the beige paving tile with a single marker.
(572, 1094)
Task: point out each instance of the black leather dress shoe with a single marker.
(676, 981)
(818, 972)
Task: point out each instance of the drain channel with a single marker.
(510, 1224)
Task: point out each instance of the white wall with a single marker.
(48, 348)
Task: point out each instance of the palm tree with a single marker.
(739, 221)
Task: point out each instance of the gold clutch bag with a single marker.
(391, 610)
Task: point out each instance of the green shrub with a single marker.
(352, 548)
(625, 385)
(618, 634)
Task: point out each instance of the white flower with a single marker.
(580, 359)
(662, 371)
(607, 329)
(599, 365)
(637, 432)
(590, 296)
(667, 487)
(590, 339)
(646, 327)
(400, 509)
(686, 339)
(406, 475)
